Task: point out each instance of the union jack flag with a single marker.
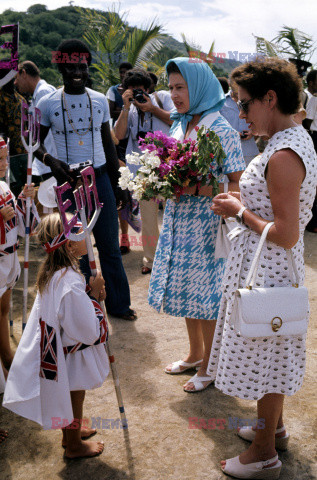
(21, 207)
(48, 367)
(103, 331)
(6, 200)
(60, 239)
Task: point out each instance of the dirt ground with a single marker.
(159, 445)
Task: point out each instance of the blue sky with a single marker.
(230, 23)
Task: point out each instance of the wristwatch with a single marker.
(239, 215)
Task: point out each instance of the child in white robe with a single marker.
(12, 225)
(62, 351)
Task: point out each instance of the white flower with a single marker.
(134, 159)
(131, 186)
(153, 178)
(153, 161)
(125, 178)
(145, 169)
(138, 193)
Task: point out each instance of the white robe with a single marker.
(9, 231)
(65, 307)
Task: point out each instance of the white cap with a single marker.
(46, 193)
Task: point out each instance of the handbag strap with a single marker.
(255, 263)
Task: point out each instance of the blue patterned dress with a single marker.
(186, 278)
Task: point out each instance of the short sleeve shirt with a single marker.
(151, 123)
(83, 133)
(43, 88)
(311, 112)
(230, 112)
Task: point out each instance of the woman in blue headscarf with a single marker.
(186, 277)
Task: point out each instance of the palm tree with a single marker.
(113, 41)
(195, 51)
(288, 42)
(295, 43)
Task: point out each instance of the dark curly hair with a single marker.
(135, 78)
(264, 74)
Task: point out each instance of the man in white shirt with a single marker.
(311, 80)
(28, 81)
(310, 123)
(140, 114)
(79, 117)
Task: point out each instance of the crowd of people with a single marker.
(188, 280)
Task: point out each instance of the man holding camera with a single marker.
(78, 118)
(140, 114)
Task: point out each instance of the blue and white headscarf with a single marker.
(205, 92)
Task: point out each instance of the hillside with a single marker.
(41, 30)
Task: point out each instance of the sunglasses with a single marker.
(244, 106)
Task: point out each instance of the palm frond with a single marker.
(190, 45)
(295, 42)
(266, 48)
(143, 43)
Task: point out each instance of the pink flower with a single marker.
(211, 155)
(196, 128)
(164, 169)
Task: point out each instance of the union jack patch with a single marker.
(48, 367)
(102, 323)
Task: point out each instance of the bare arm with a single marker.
(115, 110)
(121, 126)
(59, 169)
(206, 190)
(110, 153)
(285, 175)
(158, 112)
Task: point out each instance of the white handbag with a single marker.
(223, 244)
(272, 311)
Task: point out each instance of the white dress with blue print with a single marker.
(186, 278)
(250, 368)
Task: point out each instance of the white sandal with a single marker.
(187, 366)
(198, 383)
(256, 470)
(247, 433)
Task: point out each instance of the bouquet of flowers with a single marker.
(167, 165)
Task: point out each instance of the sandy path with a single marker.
(159, 445)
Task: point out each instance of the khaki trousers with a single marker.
(150, 231)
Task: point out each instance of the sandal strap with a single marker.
(280, 430)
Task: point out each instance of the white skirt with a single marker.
(9, 271)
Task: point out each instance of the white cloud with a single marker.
(229, 22)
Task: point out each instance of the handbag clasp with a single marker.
(276, 323)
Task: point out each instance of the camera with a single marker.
(142, 134)
(77, 167)
(138, 95)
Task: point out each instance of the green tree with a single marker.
(113, 41)
(36, 9)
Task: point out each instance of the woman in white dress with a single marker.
(277, 186)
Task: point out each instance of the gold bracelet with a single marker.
(43, 159)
